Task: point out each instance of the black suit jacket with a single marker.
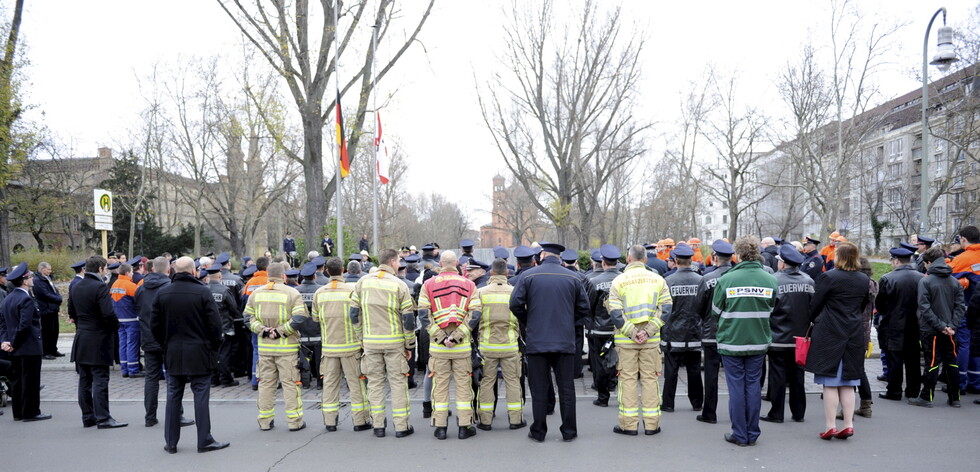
(20, 324)
(186, 323)
(548, 300)
(90, 305)
(48, 298)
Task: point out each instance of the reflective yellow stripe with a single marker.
(271, 297)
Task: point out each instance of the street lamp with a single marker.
(139, 227)
(943, 59)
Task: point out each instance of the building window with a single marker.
(724, 234)
(895, 148)
(724, 219)
(707, 220)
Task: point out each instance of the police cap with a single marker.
(523, 252)
(428, 247)
(355, 257)
(77, 265)
(135, 261)
(595, 255)
(553, 248)
(609, 251)
(202, 273)
(210, 254)
(789, 255)
(926, 240)
(292, 273)
(900, 252)
(569, 255)
(115, 265)
(222, 258)
(412, 258)
(318, 261)
(650, 246)
(809, 240)
(215, 268)
(722, 247)
(777, 240)
(475, 264)
(197, 263)
(19, 271)
(501, 252)
(3, 271)
(682, 250)
(250, 270)
(467, 243)
(308, 269)
(908, 246)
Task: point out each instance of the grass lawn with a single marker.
(880, 268)
(63, 325)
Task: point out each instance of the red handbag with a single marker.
(803, 347)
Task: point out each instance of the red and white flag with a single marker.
(381, 153)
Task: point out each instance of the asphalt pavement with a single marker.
(897, 437)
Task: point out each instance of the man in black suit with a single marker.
(186, 323)
(20, 337)
(548, 300)
(48, 304)
(90, 306)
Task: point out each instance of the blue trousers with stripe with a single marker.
(129, 347)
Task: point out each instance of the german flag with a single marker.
(342, 141)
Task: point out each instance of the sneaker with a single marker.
(954, 403)
(920, 402)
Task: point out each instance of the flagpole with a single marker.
(336, 74)
(374, 92)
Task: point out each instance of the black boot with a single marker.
(466, 432)
(426, 409)
(440, 432)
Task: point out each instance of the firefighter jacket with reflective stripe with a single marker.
(447, 297)
(791, 316)
(384, 303)
(636, 302)
(743, 300)
(599, 323)
(278, 306)
(682, 331)
(340, 336)
(124, 299)
(498, 328)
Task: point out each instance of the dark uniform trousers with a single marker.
(604, 377)
(151, 383)
(93, 392)
(712, 364)
(539, 369)
(49, 332)
(909, 358)
(25, 386)
(579, 350)
(222, 374)
(691, 361)
(201, 387)
(940, 350)
(784, 370)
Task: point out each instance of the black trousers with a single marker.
(222, 373)
(201, 387)
(151, 383)
(25, 386)
(241, 354)
(784, 371)
(712, 364)
(605, 378)
(539, 369)
(864, 390)
(93, 392)
(691, 361)
(579, 350)
(907, 360)
(49, 333)
(939, 351)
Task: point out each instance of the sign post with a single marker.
(103, 216)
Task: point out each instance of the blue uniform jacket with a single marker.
(548, 300)
(48, 298)
(20, 324)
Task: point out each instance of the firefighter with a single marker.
(682, 332)
(444, 307)
(599, 326)
(341, 349)
(388, 326)
(637, 300)
(497, 335)
(309, 357)
(275, 312)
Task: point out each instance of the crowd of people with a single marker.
(645, 313)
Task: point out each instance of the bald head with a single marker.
(184, 264)
(448, 259)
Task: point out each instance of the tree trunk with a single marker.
(132, 230)
(40, 241)
(316, 207)
(4, 231)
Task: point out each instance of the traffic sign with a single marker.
(103, 209)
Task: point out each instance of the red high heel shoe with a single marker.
(827, 436)
(845, 433)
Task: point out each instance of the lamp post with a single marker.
(943, 59)
(139, 226)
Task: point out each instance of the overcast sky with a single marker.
(85, 57)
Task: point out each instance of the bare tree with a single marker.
(14, 141)
(563, 120)
(288, 41)
(734, 132)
